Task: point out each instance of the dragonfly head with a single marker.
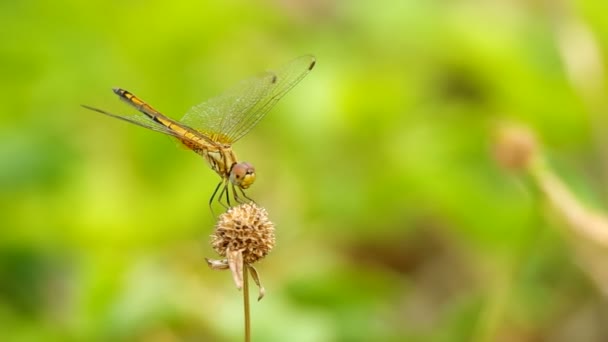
(242, 175)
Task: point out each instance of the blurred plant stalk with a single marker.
(517, 149)
(583, 63)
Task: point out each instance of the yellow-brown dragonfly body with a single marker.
(211, 128)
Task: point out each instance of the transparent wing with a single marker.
(217, 115)
(230, 116)
(139, 120)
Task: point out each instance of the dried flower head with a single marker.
(243, 235)
(515, 147)
(244, 228)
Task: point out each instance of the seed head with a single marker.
(244, 228)
(515, 147)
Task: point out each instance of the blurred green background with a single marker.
(394, 222)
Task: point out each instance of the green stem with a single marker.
(246, 303)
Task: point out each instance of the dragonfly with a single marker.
(212, 127)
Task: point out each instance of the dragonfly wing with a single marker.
(286, 78)
(138, 119)
(231, 115)
(217, 115)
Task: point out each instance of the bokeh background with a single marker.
(395, 222)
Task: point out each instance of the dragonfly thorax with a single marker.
(242, 175)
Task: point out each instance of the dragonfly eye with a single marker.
(242, 175)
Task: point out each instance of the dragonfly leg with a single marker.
(235, 195)
(214, 193)
(219, 198)
(226, 192)
(245, 195)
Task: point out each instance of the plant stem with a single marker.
(246, 303)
